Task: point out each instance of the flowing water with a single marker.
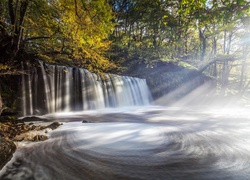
(140, 143)
(53, 88)
(124, 137)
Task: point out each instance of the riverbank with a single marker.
(141, 143)
(14, 131)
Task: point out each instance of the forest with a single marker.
(117, 36)
(138, 89)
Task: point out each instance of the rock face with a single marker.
(16, 131)
(167, 78)
(7, 148)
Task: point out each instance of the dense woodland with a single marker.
(209, 36)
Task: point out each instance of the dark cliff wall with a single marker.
(167, 78)
(7, 148)
(10, 94)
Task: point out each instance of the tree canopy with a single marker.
(52, 30)
(211, 36)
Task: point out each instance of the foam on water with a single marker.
(154, 143)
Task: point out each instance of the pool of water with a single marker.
(148, 143)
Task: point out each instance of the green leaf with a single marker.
(241, 2)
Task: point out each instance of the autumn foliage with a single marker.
(66, 31)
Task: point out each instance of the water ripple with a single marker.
(204, 148)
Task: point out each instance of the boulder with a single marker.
(7, 148)
(54, 125)
(86, 121)
(19, 138)
(40, 138)
(32, 118)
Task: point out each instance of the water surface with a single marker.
(140, 143)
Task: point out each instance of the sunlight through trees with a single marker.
(211, 36)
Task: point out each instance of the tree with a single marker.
(11, 26)
(204, 34)
(75, 30)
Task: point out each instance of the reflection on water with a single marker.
(140, 143)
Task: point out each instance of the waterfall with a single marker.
(53, 88)
(24, 104)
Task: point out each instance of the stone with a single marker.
(40, 138)
(32, 118)
(7, 148)
(19, 138)
(54, 125)
(1, 134)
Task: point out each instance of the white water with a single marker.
(51, 89)
(140, 143)
(133, 142)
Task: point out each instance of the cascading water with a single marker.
(52, 88)
(197, 142)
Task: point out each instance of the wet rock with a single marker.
(54, 125)
(19, 138)
(32, 118)
(1, 135)
(39, 128)
(9, 113)
(19, 131)
(85, 121)
(7, 148)
(40, 138)
(33, 127)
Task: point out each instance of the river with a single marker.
(148, 143)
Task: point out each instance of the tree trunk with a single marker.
(215, 70)
(225, 42)
(225, 73)
(17, 13)
(225, 69)
(243, 70)
(215, 53)
(203, 44)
